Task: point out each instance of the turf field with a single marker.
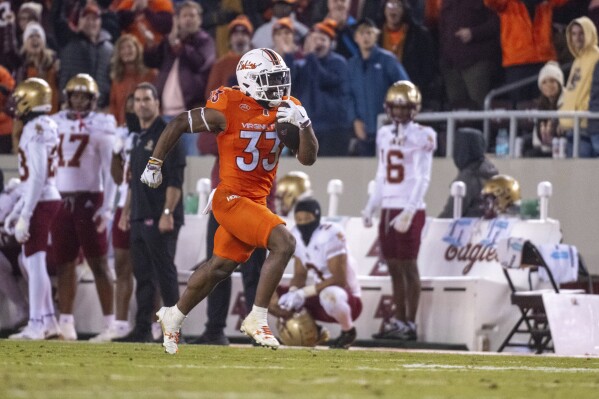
(52, 369)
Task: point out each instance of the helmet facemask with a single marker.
(273, 86)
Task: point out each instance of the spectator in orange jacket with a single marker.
(148, 20)
(526, 38)
(127, 70)
(7, 84)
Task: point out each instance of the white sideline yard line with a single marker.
(406, 367)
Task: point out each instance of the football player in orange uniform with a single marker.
(249, 149)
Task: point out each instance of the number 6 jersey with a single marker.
(84, 152)
(405, 160)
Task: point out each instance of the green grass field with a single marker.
(53, 369)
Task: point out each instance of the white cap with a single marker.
(551, 70)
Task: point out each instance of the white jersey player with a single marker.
(84, 181)
(332, 293)
(32, 215)
(405, 154)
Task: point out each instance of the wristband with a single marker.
(155, 161)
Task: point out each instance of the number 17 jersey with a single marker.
(249, 147)
(85, 149)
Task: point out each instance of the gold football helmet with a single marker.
(505, 191)
(84, 83)
(289, 189)
(32, 95)
(300, 330)
(402, 93)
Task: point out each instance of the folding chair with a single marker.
(533, 320)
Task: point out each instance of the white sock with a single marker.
(66, 319)
(121, 324)
(259, 313)
(39, 285)
(334, 301)
(108, 320)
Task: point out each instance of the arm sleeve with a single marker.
(105, 143)
(37, 161)
(423, 162)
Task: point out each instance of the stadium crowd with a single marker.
(344, 56)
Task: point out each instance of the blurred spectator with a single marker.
(339, 12)
(582, 41)
(370, 75)
(412, 45)
(184, 59)
(65, 19)
(469, 51)
(7, 84)
(89, 51)
(309, 12)
(284, 40)
(38, 61)
(28, 12)
(148, 20)
(551, 83)
(526, 39)
(217, 16)
(127, 70)
(8, 37)
(280, 9)
(240, 36)
(474, 169)
(321, 80)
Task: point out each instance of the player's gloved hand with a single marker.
(367, 217)
(403, 221)
(293, 300)
(152, 175)
(22, 230)
(294, 114)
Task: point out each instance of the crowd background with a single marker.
(343, 55)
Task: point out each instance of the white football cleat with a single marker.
(32, 331)
(51, 328)
(170, 330)
(68, 331)
(259, 332)
(110, 333)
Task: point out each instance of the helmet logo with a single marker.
(247, 64)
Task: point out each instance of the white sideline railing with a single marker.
(512, 115)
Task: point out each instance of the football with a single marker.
(288, 133)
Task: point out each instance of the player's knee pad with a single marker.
(330, 298)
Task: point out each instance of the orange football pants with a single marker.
(244, 225)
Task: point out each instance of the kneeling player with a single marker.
(321, 252)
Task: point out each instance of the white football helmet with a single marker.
(263, 75)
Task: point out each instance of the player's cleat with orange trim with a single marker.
(170, 330)
(260, 332)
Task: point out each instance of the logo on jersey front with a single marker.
(258, 126)
(149, 145)
(244, 107)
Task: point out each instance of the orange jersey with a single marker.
(248, 148)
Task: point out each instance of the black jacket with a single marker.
(148, 203)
